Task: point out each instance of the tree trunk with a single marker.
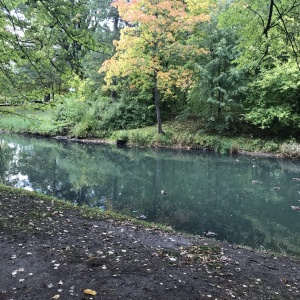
(113, 93)
(156, 100)
(47, 97)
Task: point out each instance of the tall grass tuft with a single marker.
(290, 150)
(140, 139)
(15, 123)
(27, 121)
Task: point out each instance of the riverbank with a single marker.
(52, 249)
(185, 134)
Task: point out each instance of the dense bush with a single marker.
(273, 99)
(122, 114)
(85, 118)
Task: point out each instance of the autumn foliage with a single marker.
(154, 46)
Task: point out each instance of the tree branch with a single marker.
(288, 35)
(268, 26)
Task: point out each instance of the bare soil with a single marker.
(51, 250)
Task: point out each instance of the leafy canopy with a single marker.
(156, 41)
(265, 29)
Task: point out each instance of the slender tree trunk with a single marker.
(47, 97)
(52, 92)
(113, 93)
(156, 100)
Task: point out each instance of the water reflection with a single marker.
(245, 200)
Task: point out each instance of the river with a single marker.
(245, 200)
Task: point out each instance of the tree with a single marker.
(273, 99)
(269, 29)
(218, 94)
(105, 24)
(154, 49)
(47, 43)
(269, 44)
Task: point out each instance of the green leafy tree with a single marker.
(105, 25)
(47, 43)
(273, 99)
(269, 52)
(217, 97)
(269, 29)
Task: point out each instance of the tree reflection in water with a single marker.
(204, 190)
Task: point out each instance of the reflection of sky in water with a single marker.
(204, 191)
(20, 181)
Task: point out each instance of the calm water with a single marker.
(204, 191)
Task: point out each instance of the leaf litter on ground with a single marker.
(77, 248)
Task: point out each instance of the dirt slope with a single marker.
(50, 250)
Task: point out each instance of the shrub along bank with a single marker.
(187, 134)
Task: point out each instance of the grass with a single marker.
(178, 134)
(28, 121)
(290, 150)
(188, 135)
(38, 213)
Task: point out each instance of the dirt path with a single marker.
(50, 250)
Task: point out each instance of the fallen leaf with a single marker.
(89, 292)
(56, 296)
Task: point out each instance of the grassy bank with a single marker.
(178, 134)
(39, 212)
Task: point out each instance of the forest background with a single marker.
(198, 68)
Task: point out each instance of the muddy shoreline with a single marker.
(51, 250)
(175, 147)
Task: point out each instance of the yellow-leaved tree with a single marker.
(154, 47)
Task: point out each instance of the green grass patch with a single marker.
(178, 134)
(21, 120)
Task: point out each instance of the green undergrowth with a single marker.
(29, 121)
(177, 134)
(187, 135)
(290, 150)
